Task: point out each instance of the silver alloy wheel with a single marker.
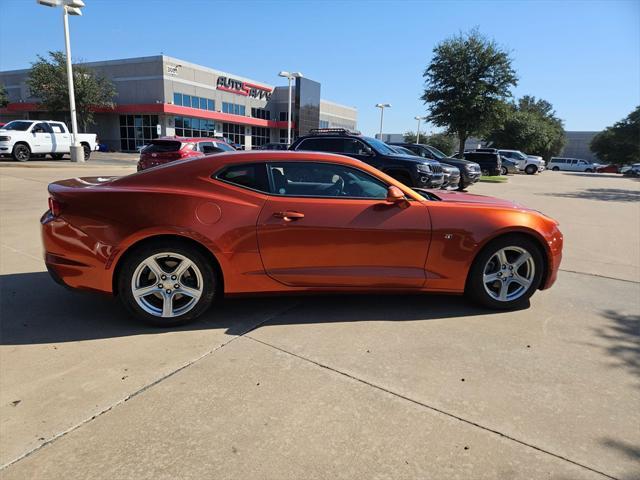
(167, 284)
(508, 273)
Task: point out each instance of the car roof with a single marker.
(192, 139)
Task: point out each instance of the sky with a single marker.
(582, 56)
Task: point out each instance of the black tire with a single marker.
(87, 151)
(57, 156)
(21, 152)
(589, 170)
(475, 288)
(134, 259)
(531, 169)
(555, 169)
(462, 186)
(504, 171)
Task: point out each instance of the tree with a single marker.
(4, 98)
(442, 141)
(466, 83)
(619, 143)
(48, 81)
(531, 126)
(410, 137)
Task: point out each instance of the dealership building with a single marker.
(165, 96)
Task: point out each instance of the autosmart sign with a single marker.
(243, 88)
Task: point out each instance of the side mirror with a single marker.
(394, 194)
(366, 150)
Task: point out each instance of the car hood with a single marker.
(470, 198)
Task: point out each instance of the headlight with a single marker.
(4, 138)
(424, 168)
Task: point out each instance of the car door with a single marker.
(42, 138)
(330, 225)
(61, 138)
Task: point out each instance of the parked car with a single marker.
(508, 166)
(451, 177)
(169, 149)
(409, 169)
(469, 171)
(273, 146)
(23, 139)
(571, 165)
(173, 239)
(611, 168)
(490, 162)
(529, 164)
(633, 171)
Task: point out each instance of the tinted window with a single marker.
(334, 145)
(177, 99)
(160, 146)
(56, 127)
(310, 179)
(354, 147)
(41, 128)
(17, 125)
(252, 176)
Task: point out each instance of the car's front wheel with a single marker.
(21, 152)
(531, 169)
(506, 273)
(555, 169)
(167, 284)
(504, 171)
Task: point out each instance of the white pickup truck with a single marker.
(23, 139)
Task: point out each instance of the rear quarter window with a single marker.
(252, 176)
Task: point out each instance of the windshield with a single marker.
(437, 153)
(18, 125)
(381, 147)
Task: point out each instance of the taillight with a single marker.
(55, 206)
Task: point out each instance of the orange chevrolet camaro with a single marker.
(169, 240)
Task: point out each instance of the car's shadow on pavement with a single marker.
(35, 310)
(602, 194)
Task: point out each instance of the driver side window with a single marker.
(315, 179)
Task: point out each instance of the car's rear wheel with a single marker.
(589, 170)
(167, 284)
(87, 151)
(531, 169)
(506, 273)
(21, 152)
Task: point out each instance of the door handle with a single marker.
(288, 215)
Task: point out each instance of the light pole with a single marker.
(69, 7)
(382, 106)
(418, 131)
(290, 76)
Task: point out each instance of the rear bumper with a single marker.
(73, 260)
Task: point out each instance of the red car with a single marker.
(608, 169)
(170, 240)
(168, 149)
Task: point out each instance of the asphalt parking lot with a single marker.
(329, 386)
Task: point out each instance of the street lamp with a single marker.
(290, 76)
(382, 106)
(418, 131)
(69, 7)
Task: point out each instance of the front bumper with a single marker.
(430, 180)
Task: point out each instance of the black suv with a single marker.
(490, 161)
(410, 170)
(469, 171)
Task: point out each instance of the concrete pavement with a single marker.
(345, 387)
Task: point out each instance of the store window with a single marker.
(194, 127)
(261, 113)
(260, 136)
(283, 135)
(192, 101)
(233, 108)
(136, 131)
(324, 124)
(283, 116)
(233, 132)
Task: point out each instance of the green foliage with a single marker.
(619, 143)
(466, 83)
(48, 82)
(442, 141)
(531, 126)
(410, 137)
(4, 98)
